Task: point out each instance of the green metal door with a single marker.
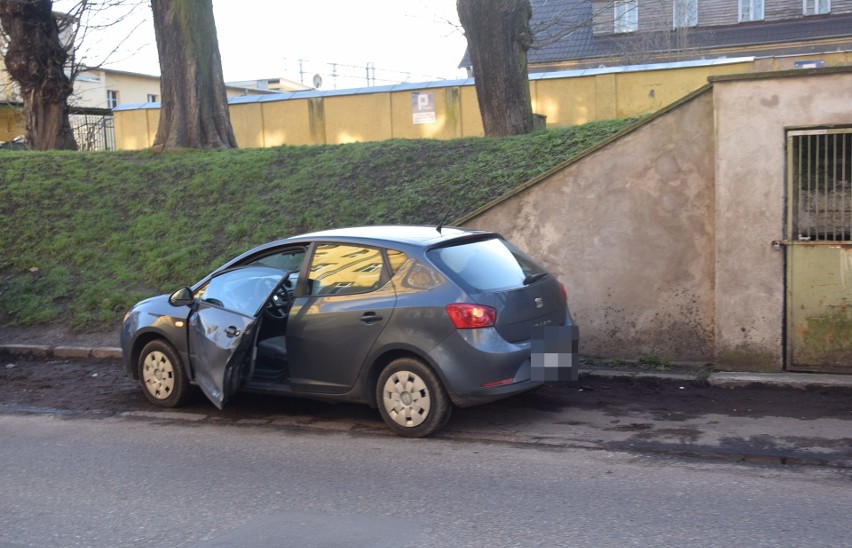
(819, 251)
(819, 328)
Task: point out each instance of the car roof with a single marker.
(425, 236)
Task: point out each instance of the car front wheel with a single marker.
(162, 375)
(411, 398)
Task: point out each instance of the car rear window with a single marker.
(486, 265)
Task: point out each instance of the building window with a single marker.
(112, 98)
(751, 10)
(816, 7)
(818, 167)
(152, 98)
(626, 16)
(685, 13)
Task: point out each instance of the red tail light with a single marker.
(564, 292)
(471, 316)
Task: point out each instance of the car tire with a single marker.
(411, 398)
(162, 375)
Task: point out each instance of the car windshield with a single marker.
(487, 265)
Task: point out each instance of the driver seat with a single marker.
(273, 349)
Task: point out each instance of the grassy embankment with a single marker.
(85, 235)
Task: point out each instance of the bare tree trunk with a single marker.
(194, 108)
(36, 61)
(498, 37)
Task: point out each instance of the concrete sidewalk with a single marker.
(803, 381)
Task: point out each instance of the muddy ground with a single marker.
(101, 385)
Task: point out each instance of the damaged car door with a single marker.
(221, 328)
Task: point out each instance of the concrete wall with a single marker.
(137, 128)
(629, 230)
(663, 237)
(448, 120)
(566, 99)
(9, 123)
(751, 118)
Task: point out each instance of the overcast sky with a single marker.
(413, 40)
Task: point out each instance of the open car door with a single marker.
(223, 324)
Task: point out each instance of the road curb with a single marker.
(731, 380)
(804, 381)
(48, 351)
(615, 374)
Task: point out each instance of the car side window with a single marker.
(289, 260)
(396, 259)
(345, 269)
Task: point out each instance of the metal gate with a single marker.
(819, 250)
(93, 131)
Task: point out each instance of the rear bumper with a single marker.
(479, 366)
(487, 395)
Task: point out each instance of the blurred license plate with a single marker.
(555, 353)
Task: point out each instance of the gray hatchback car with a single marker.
(409, 319)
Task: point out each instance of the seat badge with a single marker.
(539, 302)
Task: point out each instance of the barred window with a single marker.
(820, 183)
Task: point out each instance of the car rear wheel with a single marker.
(411, 398)
(162, 375)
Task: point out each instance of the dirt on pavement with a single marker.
(101, 384)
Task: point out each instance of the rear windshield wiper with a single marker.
(532, 278)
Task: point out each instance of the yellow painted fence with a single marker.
(448, 110)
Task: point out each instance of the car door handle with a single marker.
(232, 332)
(370, 318)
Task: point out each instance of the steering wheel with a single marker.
(278, 305)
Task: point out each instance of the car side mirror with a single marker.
(182, 297)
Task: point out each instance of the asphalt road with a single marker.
(132, 481)
(642, 415)
(608, 462)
